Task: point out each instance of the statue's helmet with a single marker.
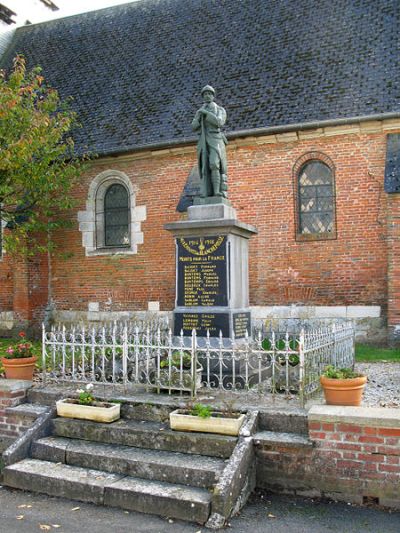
(207, 88)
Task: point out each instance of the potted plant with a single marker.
(86, 407)
(176, 372)
(204, 419)
(342, 386)
(19, 360)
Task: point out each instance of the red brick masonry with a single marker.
(355, 457)
(12, 393)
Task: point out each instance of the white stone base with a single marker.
(6, 320)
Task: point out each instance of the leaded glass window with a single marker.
(116, 216)
(316, 199)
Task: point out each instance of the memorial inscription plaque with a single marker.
(202, 271)
(201, 322)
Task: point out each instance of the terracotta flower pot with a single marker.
(343, 391)
(20, 368)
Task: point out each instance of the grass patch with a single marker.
(368, 354)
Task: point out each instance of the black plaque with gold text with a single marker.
(202, 322)
(202, 271)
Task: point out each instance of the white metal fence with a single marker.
(149, 355)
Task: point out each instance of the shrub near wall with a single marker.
(354, 457)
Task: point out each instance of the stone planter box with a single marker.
(98, 412)
(181, 420)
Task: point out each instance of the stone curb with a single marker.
(363, 416)
(21, 447)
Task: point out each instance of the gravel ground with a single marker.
(383, 387)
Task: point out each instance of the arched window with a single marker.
(315, 200)
(111, 223)
(116, 216)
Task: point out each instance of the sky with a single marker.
(35, 11)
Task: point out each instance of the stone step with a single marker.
(172, 467)
(99, 487)
(284, 421)
(276, 438)
(149, 435)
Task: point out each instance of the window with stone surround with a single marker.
(112, 220)
(315, 198)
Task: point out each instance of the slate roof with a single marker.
(135, 71)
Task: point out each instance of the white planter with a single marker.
(104, 412)
(181, 421)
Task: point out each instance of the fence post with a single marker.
(334, 345)
(194, 363)
(44, 376)
(302, 368)
(125, 355)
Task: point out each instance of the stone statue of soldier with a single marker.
(211, 151)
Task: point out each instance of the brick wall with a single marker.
(12, 393)
(6, 284)
(394, 266)
(355, 457)
(349, 270)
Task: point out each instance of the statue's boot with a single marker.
(224, 185)
(216, 182)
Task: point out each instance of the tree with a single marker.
(38, 167)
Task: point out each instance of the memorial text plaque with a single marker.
(202, 271)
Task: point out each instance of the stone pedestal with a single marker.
(212, 286)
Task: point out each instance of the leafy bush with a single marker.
(201, 410)
(176, 360)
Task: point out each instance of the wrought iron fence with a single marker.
(268, 363)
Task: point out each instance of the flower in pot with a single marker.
(20, 359)
(87, 407)
(204, 419)
(342, 386)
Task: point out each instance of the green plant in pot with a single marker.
(203, 418)
(19, 359)
(342, 386)
(87, 407)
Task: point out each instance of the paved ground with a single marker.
(23, 512)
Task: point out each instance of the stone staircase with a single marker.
(141, 465)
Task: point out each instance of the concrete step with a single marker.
(99, 487)
(284, 421)
(172, 467)
(276, 438)
(149, 435)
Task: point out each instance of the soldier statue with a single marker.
(211, 151)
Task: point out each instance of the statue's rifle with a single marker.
(203, 148)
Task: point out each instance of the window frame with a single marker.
(297, 169)
(91, 221)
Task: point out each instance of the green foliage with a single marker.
(85, 396)
(367, 353)
(37, 163)
(201, 410)
(175, 360)
(280, 344)
(340, 373)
